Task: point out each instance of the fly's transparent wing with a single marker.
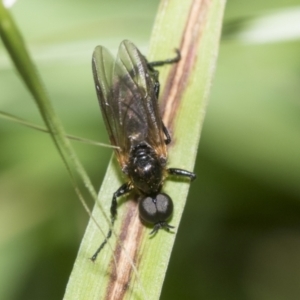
(103, 65)
(126, 93)
(134, 87)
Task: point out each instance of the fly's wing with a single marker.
(103, 65)
(125, 90)
(135, 101)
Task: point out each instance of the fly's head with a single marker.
(156, 209)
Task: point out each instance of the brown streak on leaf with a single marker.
(177, 80)
(129, 239)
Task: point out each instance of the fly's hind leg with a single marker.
(164, 128)
(160, 63)
(124, 189)
(155, 73)
(167, 134)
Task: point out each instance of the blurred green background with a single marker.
(240, 233)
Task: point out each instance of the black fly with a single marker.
(127, 90)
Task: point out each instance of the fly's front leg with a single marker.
(124, 189)
(180, 172)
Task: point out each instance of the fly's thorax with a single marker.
(145, 169)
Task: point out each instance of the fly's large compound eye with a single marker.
(156, 209)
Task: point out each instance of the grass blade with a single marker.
(17, 50)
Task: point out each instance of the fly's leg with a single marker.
(124, 189)
(164, 128)
(167, 134)
(156, 85)
(160, 63)
(155, 73)
(183, 173)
